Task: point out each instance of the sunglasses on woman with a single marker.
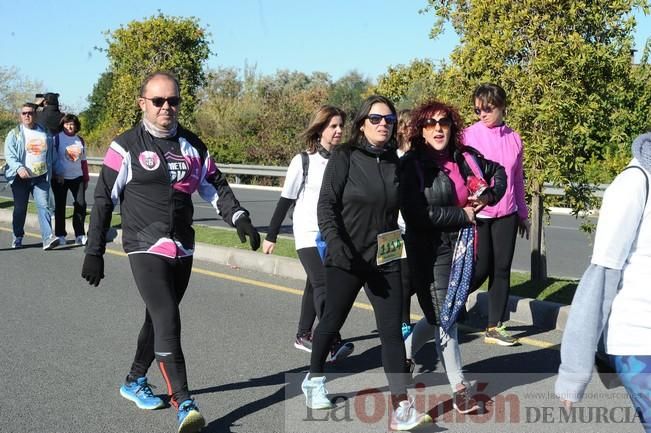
(486, 109)
(445, 122)
(375, 119)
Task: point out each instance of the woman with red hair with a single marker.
(443, 184)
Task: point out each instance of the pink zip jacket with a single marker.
(504, 146)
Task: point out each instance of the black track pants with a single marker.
(162, 283)
(384, 291)
(313, 301)
(407, 290)
(60, 190)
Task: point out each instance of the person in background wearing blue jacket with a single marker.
(30, 156)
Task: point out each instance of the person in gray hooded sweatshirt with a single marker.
(613, 299)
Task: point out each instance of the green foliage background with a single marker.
(574, 95)
(177, 45)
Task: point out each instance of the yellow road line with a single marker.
(278, 288)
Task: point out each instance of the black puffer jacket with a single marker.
(358, 201)
(428, 205)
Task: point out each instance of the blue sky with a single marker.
(53, 41)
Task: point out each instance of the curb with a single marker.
(540, 314)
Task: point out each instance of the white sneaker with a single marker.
(17, 243)
(81, 240)
(316, 394)
(62, 240)
(406, 417)
(50, 243)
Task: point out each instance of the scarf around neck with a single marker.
(159, 132)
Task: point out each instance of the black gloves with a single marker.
(244, 228)
(93, 269)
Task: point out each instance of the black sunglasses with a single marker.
(487, 109)
(159, 101)
(27, 113)
(375, 119)
(445, 122)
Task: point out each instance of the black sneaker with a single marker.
(410, 366)
(340, 350)
(303, 342)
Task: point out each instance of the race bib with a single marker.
(390, 247)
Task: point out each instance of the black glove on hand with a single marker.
(93, 269)
(244, 228)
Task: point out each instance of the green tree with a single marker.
(161, 42)
(98, 104)
(409, 85)
(15, 90)
(248, 118)
(348, 92)
(566, 66)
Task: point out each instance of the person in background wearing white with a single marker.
(301, 188)
(613, 299)
(70, 174)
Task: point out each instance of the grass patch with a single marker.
(553, 289)
(228, 237)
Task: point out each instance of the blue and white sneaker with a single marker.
(141, 394)
(189, 418)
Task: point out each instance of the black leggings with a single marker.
(313, 302)
(162, 283)
(496, 244)
(384, 291)
(76, 187)
(407, 290)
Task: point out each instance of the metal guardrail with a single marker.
(273, 171)
(265, 170)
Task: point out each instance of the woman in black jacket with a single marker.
(357, 214)
(436, 202)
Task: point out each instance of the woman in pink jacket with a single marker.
(498, 225)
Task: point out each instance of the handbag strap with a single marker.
(646, 179)
(472, 162)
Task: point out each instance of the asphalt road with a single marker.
(568, 248)
(67, 346)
